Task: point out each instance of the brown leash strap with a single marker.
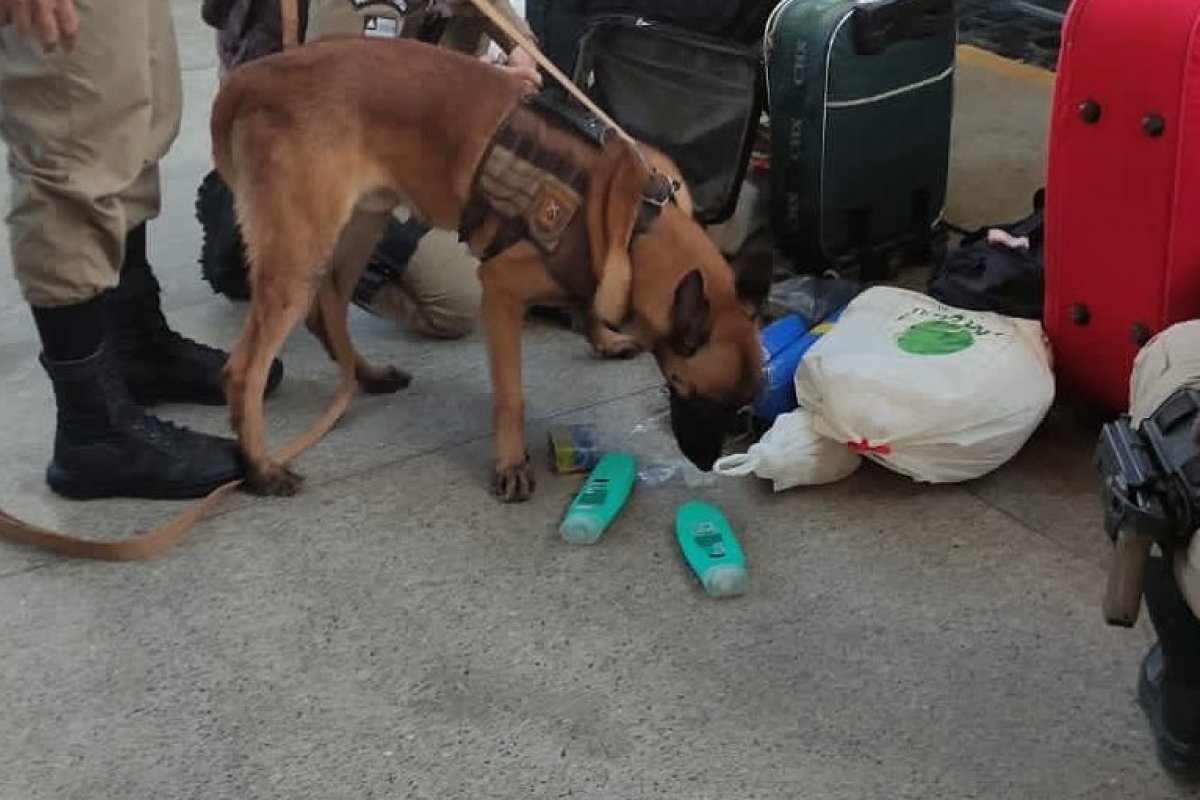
(147, 545)
(289, 14)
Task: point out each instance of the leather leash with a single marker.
(289, 18)
(147, 545)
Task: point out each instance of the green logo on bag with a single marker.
(936, 337)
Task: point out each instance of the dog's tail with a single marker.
(225, 108)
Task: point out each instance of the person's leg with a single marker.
(438, 294)
(158, 364)
(436, 291)
(1169, 682)
(81, 129)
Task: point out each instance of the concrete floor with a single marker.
(394, 632)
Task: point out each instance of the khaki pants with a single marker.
(85, 131)
(1168, 362)
(439, 293)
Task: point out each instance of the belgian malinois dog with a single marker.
(319, 144)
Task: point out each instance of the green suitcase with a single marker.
(860, 96)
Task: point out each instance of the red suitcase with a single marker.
(1122, 237)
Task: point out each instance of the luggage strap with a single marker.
(147, 545)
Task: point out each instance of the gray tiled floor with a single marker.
(394, 632)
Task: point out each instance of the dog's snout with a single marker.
(699, 425)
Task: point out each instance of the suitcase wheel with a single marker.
(1089, 111)
(1080, 314)
(1154, 125)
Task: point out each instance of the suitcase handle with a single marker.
(880, 24)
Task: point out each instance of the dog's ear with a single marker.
(614, 198)
(691, 317)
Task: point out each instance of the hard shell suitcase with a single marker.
(696, 97)
(1122, 246)
(860, 97)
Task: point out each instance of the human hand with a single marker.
(52, 22)
(521, 64)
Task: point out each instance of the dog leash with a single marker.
(147, 545)
(289, 19)
(510, 30)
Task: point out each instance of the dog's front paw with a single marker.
(611, 344)
(514, 484)
(619, 347)
(272, 480)
(384, 380)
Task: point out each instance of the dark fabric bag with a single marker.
(981, 276)
(695, 97)
(561, 24)
(737, 20)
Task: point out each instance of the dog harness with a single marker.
(531, 184)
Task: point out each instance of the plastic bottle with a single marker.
(711, 549)
(600, 499)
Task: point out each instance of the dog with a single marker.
(320, 143)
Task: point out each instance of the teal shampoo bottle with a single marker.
(711, 549)
(600, 499)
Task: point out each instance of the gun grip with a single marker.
(1123, 595)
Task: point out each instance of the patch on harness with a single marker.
(551, 212)
(381, 27)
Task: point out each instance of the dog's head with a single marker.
(655, 263)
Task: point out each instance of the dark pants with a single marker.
(1169, 684)
(1177, 627)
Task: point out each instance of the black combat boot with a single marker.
(107, 446)
(1169, 681)
(157, 364)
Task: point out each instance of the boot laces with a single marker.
(152, 429)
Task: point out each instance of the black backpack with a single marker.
(561, 24)
(981, 276)
(695, 96)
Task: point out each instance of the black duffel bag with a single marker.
(696, 97)
(561, 24)
(984, 276)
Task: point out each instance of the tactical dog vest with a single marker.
(531, 184)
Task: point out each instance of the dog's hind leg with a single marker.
(328, 319)
(278, 302)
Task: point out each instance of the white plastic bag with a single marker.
(792, 454)
(936, 393)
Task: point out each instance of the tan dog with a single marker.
(320, 143)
